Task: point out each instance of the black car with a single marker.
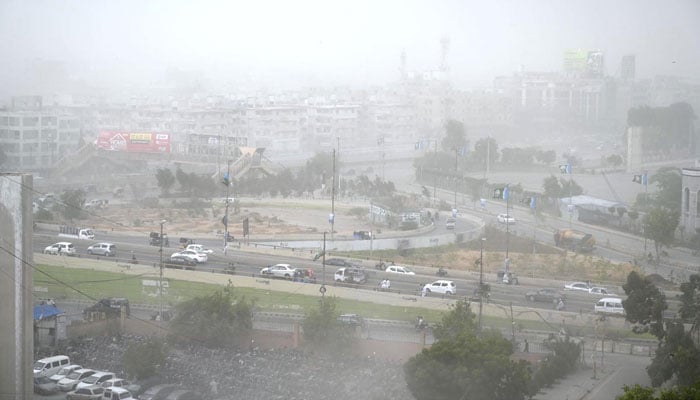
(544, 295)
(338, 261)
(178, 261)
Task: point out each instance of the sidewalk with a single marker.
(576, 386)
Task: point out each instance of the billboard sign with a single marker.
(134, 142)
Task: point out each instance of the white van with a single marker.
(50, 365)
(609, 305)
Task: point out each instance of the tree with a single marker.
(461, 364)
(690, 301)
(614, 160)
(552, 187)
(183, 179)
(217, 320)
(72, 203)
(459, 319)
(660, 226)
(324, 331)
(638, 392)
(676, 357)
(144, 359)
(165, 179)
(668, 181)
(455, 136)
(483, 148)
(546, 157)
(644, 305)
(467, 366)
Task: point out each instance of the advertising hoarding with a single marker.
(136, 142)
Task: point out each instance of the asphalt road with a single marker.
(248, 263)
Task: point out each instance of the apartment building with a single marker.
(34, 138)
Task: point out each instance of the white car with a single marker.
(199, 249)
(580, 286)
(60, 248)
(69, 382)
(397, 269)
(441, 286)
(63, 372)
(103, 249)
(601, 291)
(279, 270)
(95, 379)
(506, 219)
(191, 254)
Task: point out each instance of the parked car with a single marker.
(180, 261)
(338, 262)
(138, 387)
(158, 392)
(116, 393)
(44, 385)
(69, 382)
(442, 286)
(60, 249)
(50, 365)
(198, 257)
(63, 372)
(103, 249)
(600, 291)
(578, 286)
(90, 392)
(279, 271)
(115, 382)
(545, 295)
(95, 379)
(506, 219)
(182, 394)
(397, 269)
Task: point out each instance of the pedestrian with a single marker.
(560, 305)
(214, 387)
(527, 346)
(424, 291)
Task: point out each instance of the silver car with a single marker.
(103, 249)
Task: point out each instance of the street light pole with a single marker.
(481, 280)
(160, 283)
(332, 218)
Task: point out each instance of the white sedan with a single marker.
(601, 291)
(506, 219)
(397, 269)
(191, 254)
(580, 286)
(279, 270)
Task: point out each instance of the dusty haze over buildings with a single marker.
(55, 45)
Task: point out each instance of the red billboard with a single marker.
(134, 142)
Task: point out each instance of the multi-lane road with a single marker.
(250, 263)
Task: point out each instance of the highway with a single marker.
(249, 263)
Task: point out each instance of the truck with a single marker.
(75, 233)
(156, 239)
(574, 240)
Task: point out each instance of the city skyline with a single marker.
(130, 45)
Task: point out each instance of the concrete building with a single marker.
(16, 262)
(35, 138)
(690, 201)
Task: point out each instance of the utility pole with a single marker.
(481, 279)
(227, 181)
(322, 289)
(160, 282)
(506, 195)
(435, 177)
(332, 216)
(456, 180)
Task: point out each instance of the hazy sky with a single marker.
(334, 42)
